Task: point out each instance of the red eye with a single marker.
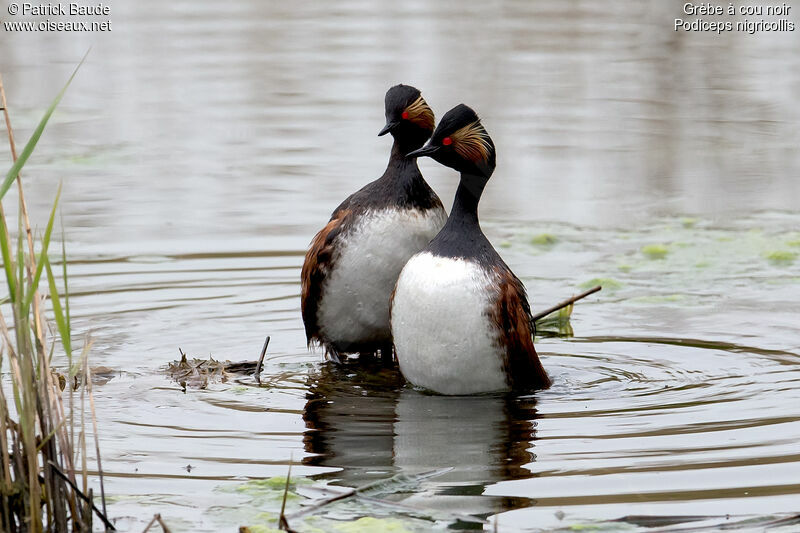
(405, 115)
(447, 141)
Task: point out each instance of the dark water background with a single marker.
(202, 144)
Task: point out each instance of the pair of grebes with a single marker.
(391, 270)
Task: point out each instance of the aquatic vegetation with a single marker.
(688, 222)
(556, 318)
(655, 251)
(259, 529)
(781, 257)
(198, 373)
(271, 489)
(368, 524)
(556, 322)
(44, 450)
(544, 239)
(272, 496)
(660, 299)
(608, 284)
(701, 251)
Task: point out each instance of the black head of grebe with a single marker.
(408, 117)
(461, 143)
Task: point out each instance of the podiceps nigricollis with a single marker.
(460, 317)
(352, 264)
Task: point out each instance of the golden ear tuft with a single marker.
(472, 142)
(420, 114)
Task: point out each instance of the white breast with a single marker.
(443, 335)
(355, 298)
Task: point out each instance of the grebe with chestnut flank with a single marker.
(460, 318)
(353, 262)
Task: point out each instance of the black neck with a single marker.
(468, 194)
(462, 235)
(397, 158)
(402, 184)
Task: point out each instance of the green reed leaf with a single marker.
(48, 232)
(58, 314)
(5, 248)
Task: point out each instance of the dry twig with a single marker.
(565, 303)
(261, 360)
(82, 496)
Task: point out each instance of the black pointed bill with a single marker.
(387, 128)
(425, 150)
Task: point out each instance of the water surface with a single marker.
(201, 146)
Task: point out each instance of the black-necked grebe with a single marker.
(352, 264)
(460, 317)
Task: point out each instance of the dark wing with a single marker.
(317, 265)
(512, 315)
(346, 205)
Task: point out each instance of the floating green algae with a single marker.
(505, 244)
(271, 483)
(660, 299)
(369, 524)
(655, 251)
(264, 500)
(269, 489)
(781, 257)
(688, 222)
(544, 239)
(609, 284)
